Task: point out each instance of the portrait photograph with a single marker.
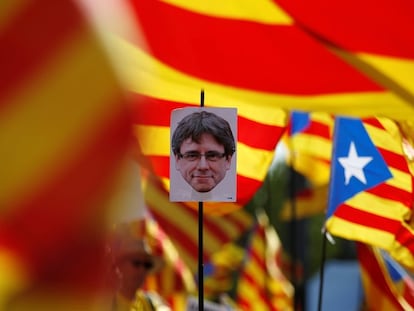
(203, 154)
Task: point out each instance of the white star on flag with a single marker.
(353, 165)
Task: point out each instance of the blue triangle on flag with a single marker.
(299, 121)
(350, 135)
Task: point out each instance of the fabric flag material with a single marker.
(221, 270)
(262, 284)
(174, 81)
(387, 60)
(387, 286)
(175, 277)
(180, 222)
(371, 189)
(64, 133)
(309, 139)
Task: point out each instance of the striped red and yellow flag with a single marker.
(248, 56)
(262, 284)
(180, 222)
(387, 60)
(309, 140)
(64, 133)
(309, 150)
(380, 282)
(175, 277)
(371, 188)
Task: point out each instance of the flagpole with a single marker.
(200, 242)
(322, 269)
(293, 231)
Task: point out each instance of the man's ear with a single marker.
(228, 162)
(176, 158)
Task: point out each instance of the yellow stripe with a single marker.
(9, 9)
(144, 74)
(262, 11)
(373, 237)
(400, 180)
(54, 116)
(323, 118)
(401, 253)
(399, 70)
(220, 208)
(316, 146)
(382, 207)
(249, 293)
(153, 140)
(253, 163)
(182, 220)
(352, 231)
(390, 139)
(13, 277)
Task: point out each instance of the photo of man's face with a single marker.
(203, 154)
(202, 164)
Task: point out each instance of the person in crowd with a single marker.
(131, 262)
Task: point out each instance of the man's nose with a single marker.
(202, 163)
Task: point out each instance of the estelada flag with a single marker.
(371, 188)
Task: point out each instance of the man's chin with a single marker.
(203, 188)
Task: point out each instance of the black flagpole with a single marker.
(321, 275)
(200, 242)
(293, 230)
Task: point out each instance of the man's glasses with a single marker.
(211, 156)
(146, 264)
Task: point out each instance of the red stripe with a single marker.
(31, 38)
(244, 54)
(405, 237)
(394, 20)
(367, 219)
(160, 165)
(375, 273)
(63, 214)
(246, 188)
(179, 237)
(148, 110)
(318, 129)
(394, 160)
(258, 135)
(392, 193)
(373, 122)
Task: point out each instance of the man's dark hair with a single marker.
(198, 123)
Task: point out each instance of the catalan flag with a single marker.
(64, 133)
(309, 142)
(180, 222)
(387, 60)
(175, 277)
(371, 190)
(387, 286)
(221, 270)
(262, 284)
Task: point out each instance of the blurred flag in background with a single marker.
(262, 284)
(65, 133)
(387, 285)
